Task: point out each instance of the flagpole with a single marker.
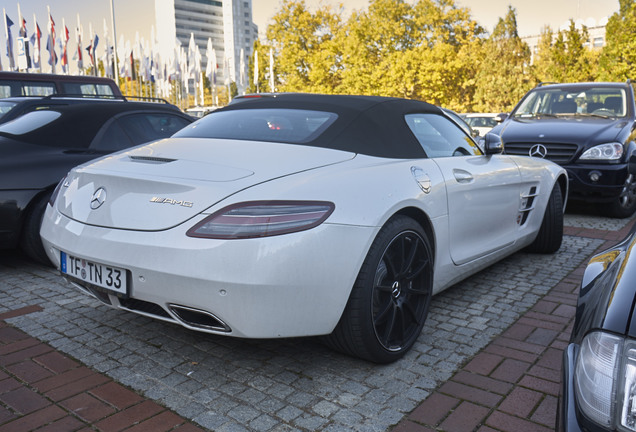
(6, 33)
(271, 70)
(52, 55)
(256, 70)
(112, 20)
(37, 36)
(19, 31)
(65, 68)
(9, 41)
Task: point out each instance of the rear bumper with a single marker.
(282, 286)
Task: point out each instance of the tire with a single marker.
(31, 242)
(390, 299)
(625, 205)
(551, 232)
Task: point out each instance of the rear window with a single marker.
(271, 124)
(10, 88)
(87, 89)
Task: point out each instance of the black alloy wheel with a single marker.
(389, 302)
(401, 291)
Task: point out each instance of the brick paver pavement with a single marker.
(513, 384)
(44, 390)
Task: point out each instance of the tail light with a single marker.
(262, 219)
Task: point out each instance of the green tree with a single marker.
(442, 21)
(305, 58)
(399, 49)
(424, 49)
(618, 57)
(570, 60)
(505, 73)
(543, 56)
(371, 42)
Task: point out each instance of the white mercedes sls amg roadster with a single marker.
(286, 215)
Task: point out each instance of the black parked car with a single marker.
(599, 365)
(13, 107)
(38, 148)
(588, 128)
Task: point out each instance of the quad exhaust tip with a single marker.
(198, 318)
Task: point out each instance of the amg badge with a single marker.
(181, 203)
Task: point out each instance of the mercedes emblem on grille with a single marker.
(538, 150)
(98, 198)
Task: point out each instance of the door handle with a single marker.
(462, 176)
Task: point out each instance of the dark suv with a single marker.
(36, 84)
(588, 128)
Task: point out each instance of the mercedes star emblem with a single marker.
(538, 150)
(98, 198)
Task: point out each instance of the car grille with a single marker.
(560, 153)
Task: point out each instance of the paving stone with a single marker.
(465, 418)
(282, 384)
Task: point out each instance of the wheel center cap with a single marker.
(396, 289)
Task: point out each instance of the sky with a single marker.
(132, 16)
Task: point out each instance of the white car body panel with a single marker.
(487, 190)
(298, 284)
(163, 260)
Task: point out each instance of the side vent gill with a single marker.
(527, 205)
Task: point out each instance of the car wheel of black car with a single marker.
(625, 205)
(31, 242)
(390, 299)
(551, 232)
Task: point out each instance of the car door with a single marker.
(483, 191)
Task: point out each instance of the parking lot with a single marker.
(230, 384)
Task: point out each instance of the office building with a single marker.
(227, 22)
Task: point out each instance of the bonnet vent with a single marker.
(151, 160)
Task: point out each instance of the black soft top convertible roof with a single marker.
(371, 125)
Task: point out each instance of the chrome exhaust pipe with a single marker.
(198, 318)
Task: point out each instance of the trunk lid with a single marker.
(160, 185)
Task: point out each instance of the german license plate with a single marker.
(104, 276)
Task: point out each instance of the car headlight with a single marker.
(605, 380)
(262, 219)
(604, 152)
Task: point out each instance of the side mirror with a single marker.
(631, 164)
(501, 117)
(493, 144)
